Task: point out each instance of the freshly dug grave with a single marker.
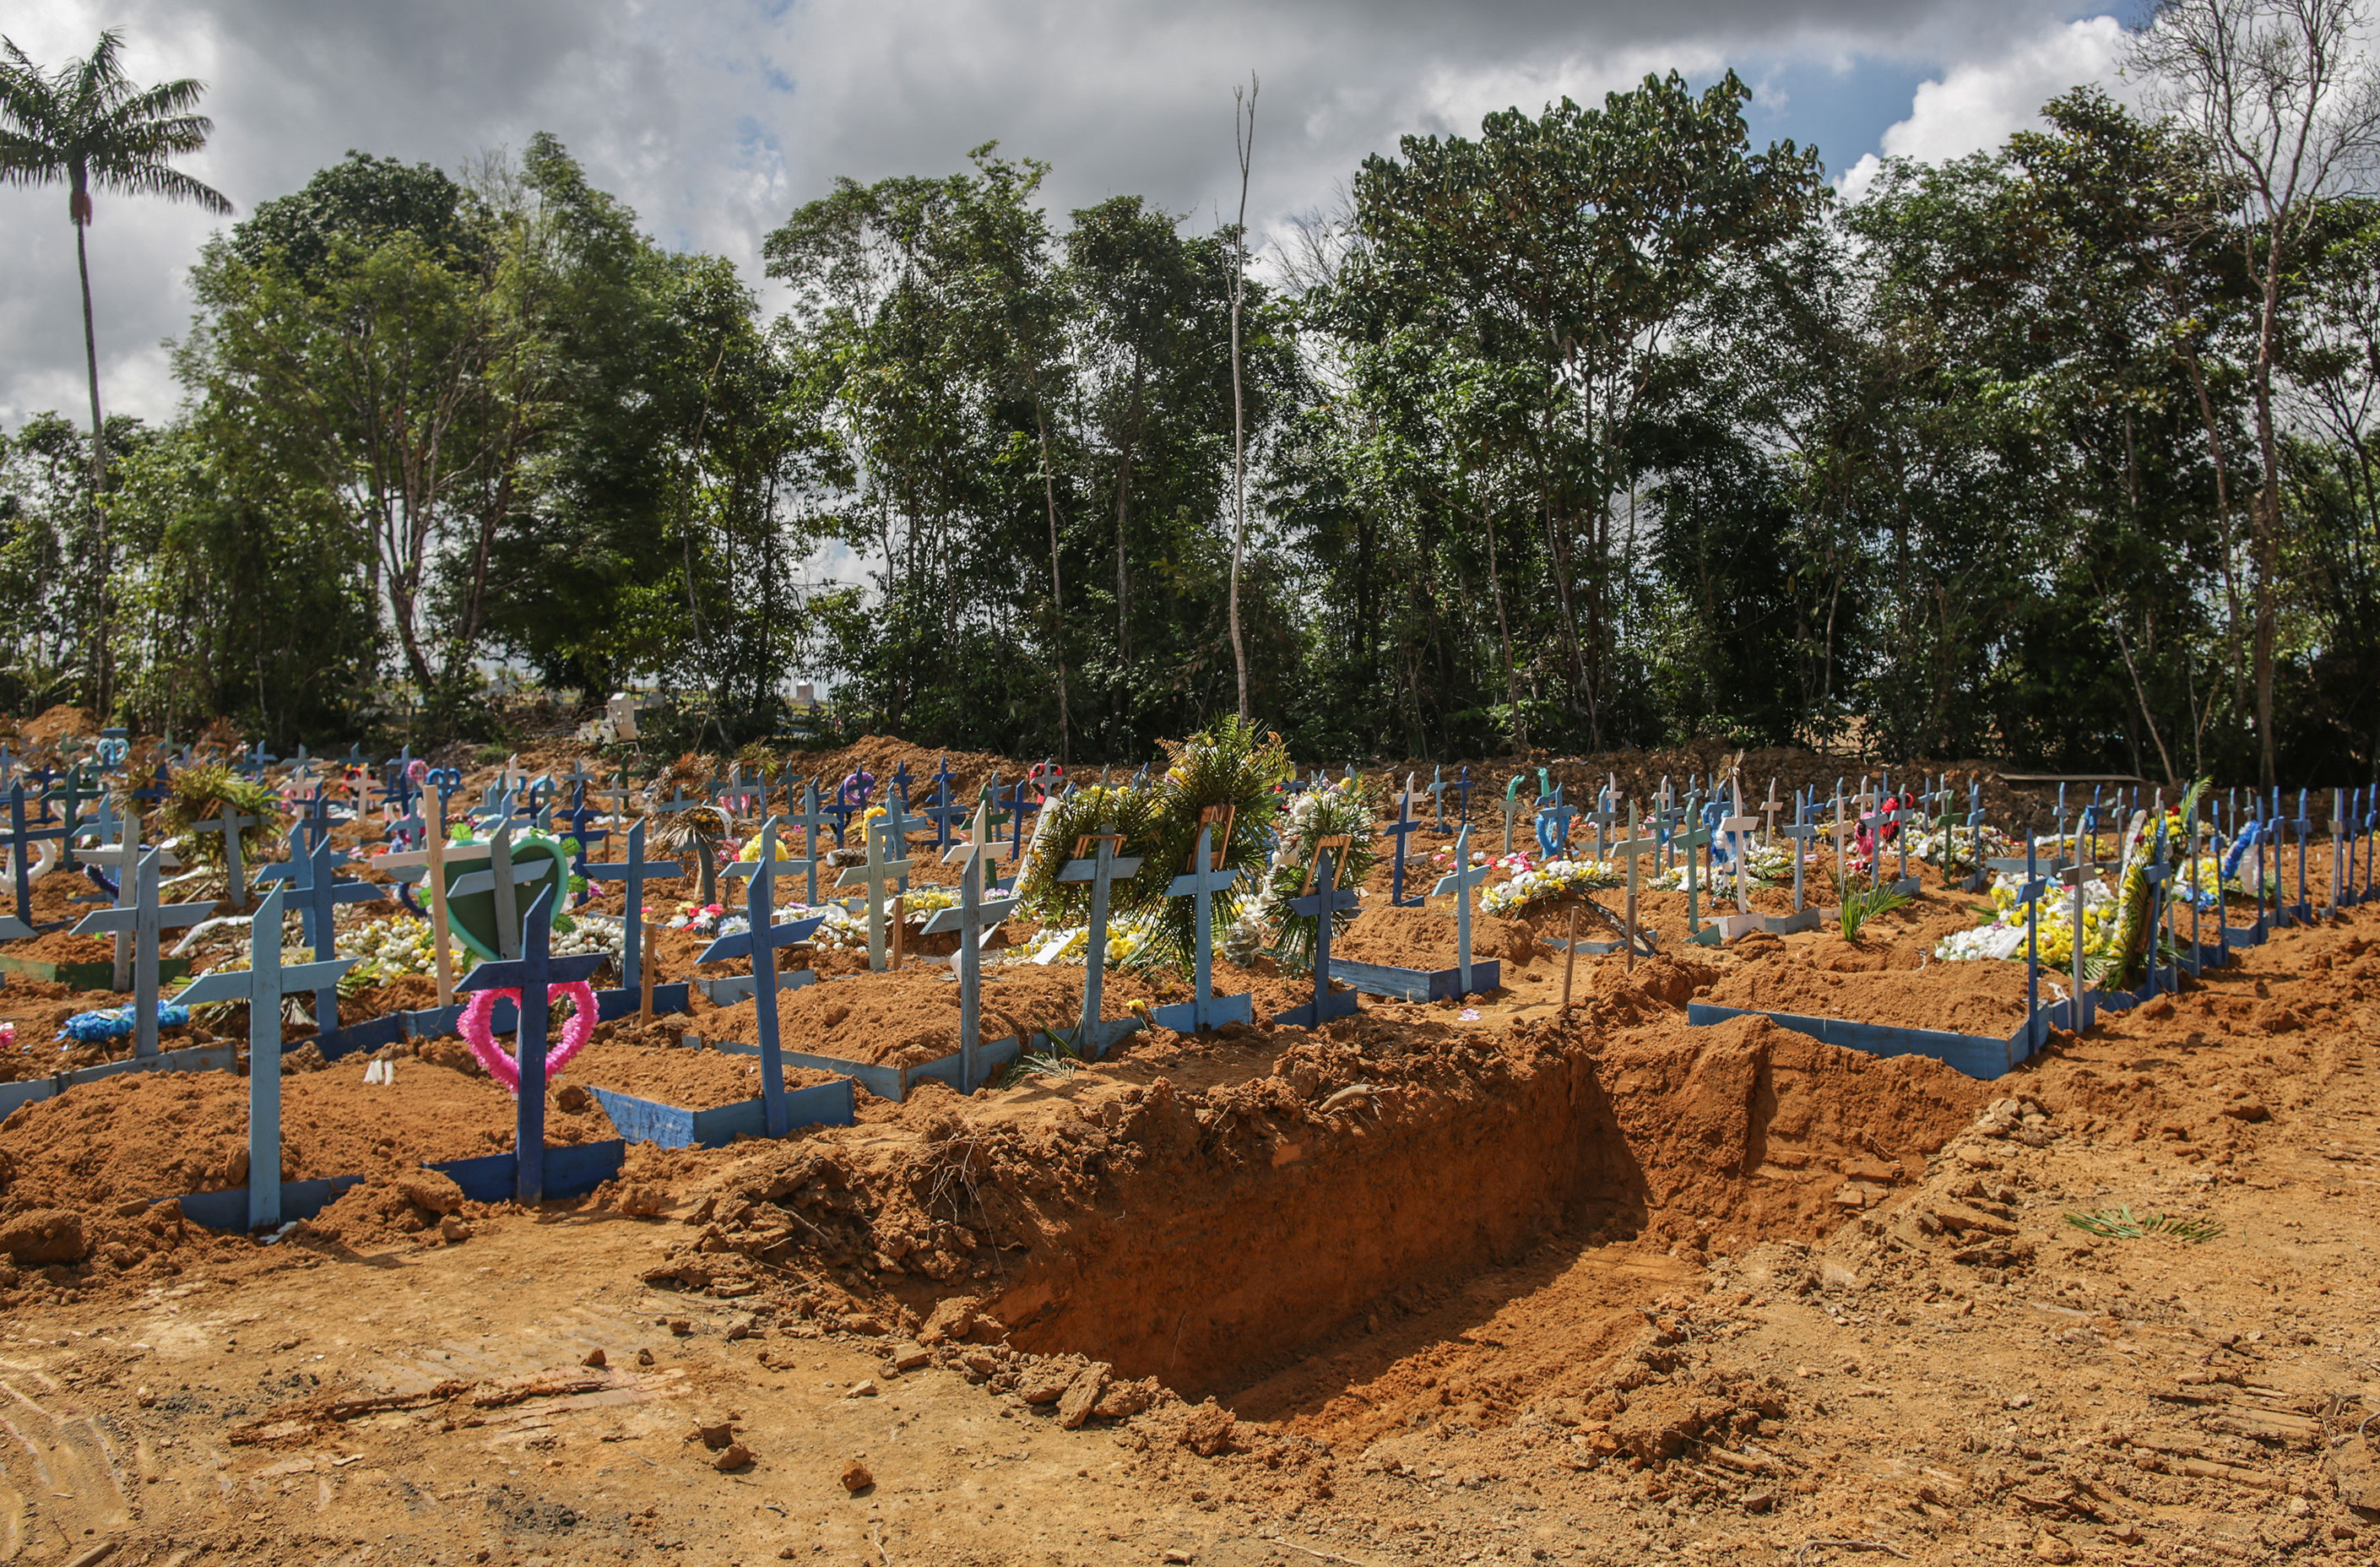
(1425, 938)
(1209, 1237)
(144, 1135)
(689, 1079)
(909, 1016)
(1987, 999)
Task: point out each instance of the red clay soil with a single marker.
(62, 946)
(153, 1134)
(1982, 997)
(1424, 937)
(689, 1079)
(911, 1016)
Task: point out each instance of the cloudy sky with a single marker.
(715, 117)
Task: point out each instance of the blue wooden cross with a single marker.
(813, 823)
(2030, 896)
(974, 916)
(760, 942)
(944, 811)
(580, 817)
(896, 824)
(742, 797)
(1803, 832)
(1322, 905)
(145, 922)
(533, 973)
(1606, 816)
(71, 795)
(1403, 828)
(632, 874)
(262, 985)
(1459, 882)
(1102, 872)
(20, 844)
(312, 875)
(1697, 834)
(1204, 880)
(1553, 826)
(1022, 802)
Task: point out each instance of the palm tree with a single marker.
(87, 127)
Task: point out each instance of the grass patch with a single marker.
(2123, 1224)
(1864, 904)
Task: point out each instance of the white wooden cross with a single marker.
(123, 855)
(881, 876)
(1633, 847)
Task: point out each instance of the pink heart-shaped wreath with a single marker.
(475, 1026)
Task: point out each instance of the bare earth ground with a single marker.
(1818, 1343)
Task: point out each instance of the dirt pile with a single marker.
(1986, 999)
(1425, 938)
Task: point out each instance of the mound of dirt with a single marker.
(1424, 937)
(1986, 999)
(145, 1135)
(909, 1016)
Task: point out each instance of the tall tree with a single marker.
(87, 127)
(2289, 104)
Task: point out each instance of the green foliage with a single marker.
(1861, 904)
(2122, 1224)
(196, 794)
(1602, 426)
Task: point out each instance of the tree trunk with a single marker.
(102, 663)
(1504, 635)
(1057, 585)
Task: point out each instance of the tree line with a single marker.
(1602, 427)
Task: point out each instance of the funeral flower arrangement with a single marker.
(1548, 882)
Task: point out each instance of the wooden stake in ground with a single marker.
(1570, 955)
(1635, 846)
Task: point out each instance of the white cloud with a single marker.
(713, 119)
(1980, 103)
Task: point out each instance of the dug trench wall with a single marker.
(1209, 1237)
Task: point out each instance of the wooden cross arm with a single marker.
(166, 858)
(511, 973)
(989, 915)
(1459, 882)
(960, 854)
(1315, 904)
(119, 921)
(741, 943)
(1088, 870)
(1190, 883)
(858, 875)
(485, 881)
(240, 984)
